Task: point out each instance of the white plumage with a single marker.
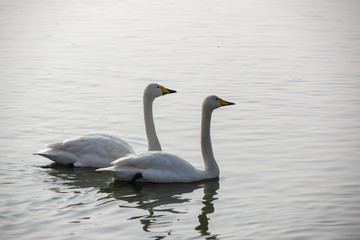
(91, 150)
(154, 167)
(99, 150)
(163, 167)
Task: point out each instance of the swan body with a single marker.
(160, 167)
(155, 166)
(99, 150)
(90, 150)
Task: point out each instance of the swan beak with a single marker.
(166, 90)
(225, 103)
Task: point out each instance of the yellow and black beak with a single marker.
(225, 103)
(166, 90)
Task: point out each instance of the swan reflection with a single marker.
(209, 196)
(163, 204)
(79, 178)
(157, 198)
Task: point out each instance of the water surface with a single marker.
(288, 151)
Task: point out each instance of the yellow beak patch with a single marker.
(224, 103)
(164, 90)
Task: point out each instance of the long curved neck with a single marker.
(153, 141)
(206, 148)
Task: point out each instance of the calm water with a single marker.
(289, 151)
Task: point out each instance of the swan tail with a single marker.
(58, 156)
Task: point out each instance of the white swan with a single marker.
(162, 167)
(99, 150)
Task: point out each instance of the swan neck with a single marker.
(211, 166)
(153, 141)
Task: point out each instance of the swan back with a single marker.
(91, 150)
(154, 166)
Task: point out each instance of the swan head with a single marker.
(154, 90)
(212, 102)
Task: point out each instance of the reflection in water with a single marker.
(75, 177)
(149, 195)
(209, 196)
(155, 199)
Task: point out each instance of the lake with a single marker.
(288, 151)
